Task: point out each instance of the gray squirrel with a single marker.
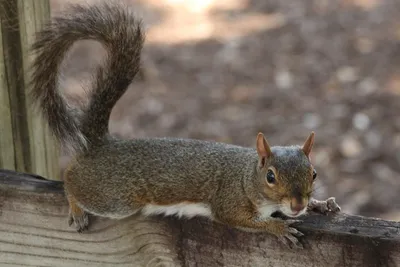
(233, 185)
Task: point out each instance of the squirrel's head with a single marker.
(287, 175)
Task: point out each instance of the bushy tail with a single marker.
(121, 34)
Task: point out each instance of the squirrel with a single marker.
(241, 187)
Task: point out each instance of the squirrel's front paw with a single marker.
(289, 235)
(79, 219)
(324, 206)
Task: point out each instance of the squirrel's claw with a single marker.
(80, 222)
(325, 206)
(289, 237)
(295, 232)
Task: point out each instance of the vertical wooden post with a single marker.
(26, 144)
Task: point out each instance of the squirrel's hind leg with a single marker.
(77, 215)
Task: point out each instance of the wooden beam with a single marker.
(34, 232)
(7, 152)
(25, 141)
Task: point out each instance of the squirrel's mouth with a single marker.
(297, 213)
(287, 211)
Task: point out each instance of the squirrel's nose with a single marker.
(296, 206)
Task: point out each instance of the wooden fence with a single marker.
(25, 142)
(34, 232)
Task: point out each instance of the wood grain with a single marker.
(6, 137)
(34, 232)
(25, 140)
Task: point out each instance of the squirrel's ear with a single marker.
(308, 144)
(263, 148)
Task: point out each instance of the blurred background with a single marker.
(225, 69)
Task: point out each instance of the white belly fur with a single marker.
(181, 210)
(266, 209)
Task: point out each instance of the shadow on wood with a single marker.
(34, 232)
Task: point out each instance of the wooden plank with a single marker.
(34, 232)
(12, 61)
(33, 147)
(6, 137)
(52, 147)
(43, 148)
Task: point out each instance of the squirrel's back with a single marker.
(115, 27)
(169, 153)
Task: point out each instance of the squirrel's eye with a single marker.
(314, 174)
(270, 177)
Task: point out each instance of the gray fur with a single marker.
(116, 178)
(120, 33)
(167, 171)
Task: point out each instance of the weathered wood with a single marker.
(25, 141)
(6, 137)
(34, 232)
